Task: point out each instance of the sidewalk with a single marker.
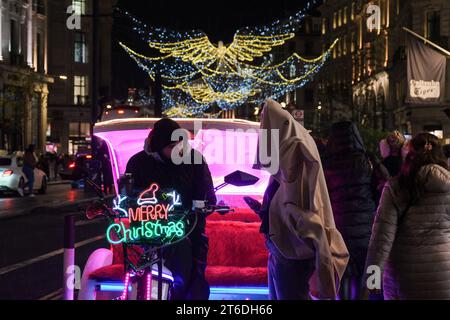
(52, 183)
(59, 196)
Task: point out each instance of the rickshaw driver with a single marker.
(186, 259)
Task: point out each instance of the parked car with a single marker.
(12, 177)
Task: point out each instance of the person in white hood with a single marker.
(307, 255)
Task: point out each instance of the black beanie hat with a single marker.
(161, 134)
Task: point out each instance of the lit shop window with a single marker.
(345, 15)
(79, 6)
(80, 90)
(80, 48)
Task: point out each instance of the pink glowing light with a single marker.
(126, 137)
(149, 286)
(125, 289)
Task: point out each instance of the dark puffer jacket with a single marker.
(348, 172)
(412, 246)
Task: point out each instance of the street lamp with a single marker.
(319, 116)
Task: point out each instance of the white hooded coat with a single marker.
(301, 223)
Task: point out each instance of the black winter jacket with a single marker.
(348, 172)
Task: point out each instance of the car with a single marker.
(73, 170)
(13, 179)
(121, 112)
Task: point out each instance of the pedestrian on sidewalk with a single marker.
(30, 162)
(307, 255)
(350, 179)
(410, 241)
(52, 166)
(391, 151)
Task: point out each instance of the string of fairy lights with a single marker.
(197, 74)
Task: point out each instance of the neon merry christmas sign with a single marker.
(156, 217)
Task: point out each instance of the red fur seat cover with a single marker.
(237, 254)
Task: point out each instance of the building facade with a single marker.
(365, 80)
(71, 61)
(24, 78)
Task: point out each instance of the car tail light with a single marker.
(88, 156)
(72, 165)
(121, 111)
(7, 173)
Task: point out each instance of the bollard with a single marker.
(160, 266)
(69, 256)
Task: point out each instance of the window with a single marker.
(340, 18)
(316, 26)
(80, 90)
(80, 48)
(334, 20)
(79, 129)
(40, 52)
(39, 6)
(292, 71)
(292, 47)
(345, 15)
(324, 25)
(14, 39)
(344, 44)
(309, 48)
(433, 26)
(352, 14)
(5, 162)
(309, 95)
(352, 44)
(79, 6)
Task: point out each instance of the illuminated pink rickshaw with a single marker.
(237, 260)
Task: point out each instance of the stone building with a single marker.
(71, 62)
(366, 78)
(24, 78)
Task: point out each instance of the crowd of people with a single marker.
(332, 211)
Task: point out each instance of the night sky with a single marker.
(218, 19)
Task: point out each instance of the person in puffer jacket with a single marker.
(349, 176)
(410, 242)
